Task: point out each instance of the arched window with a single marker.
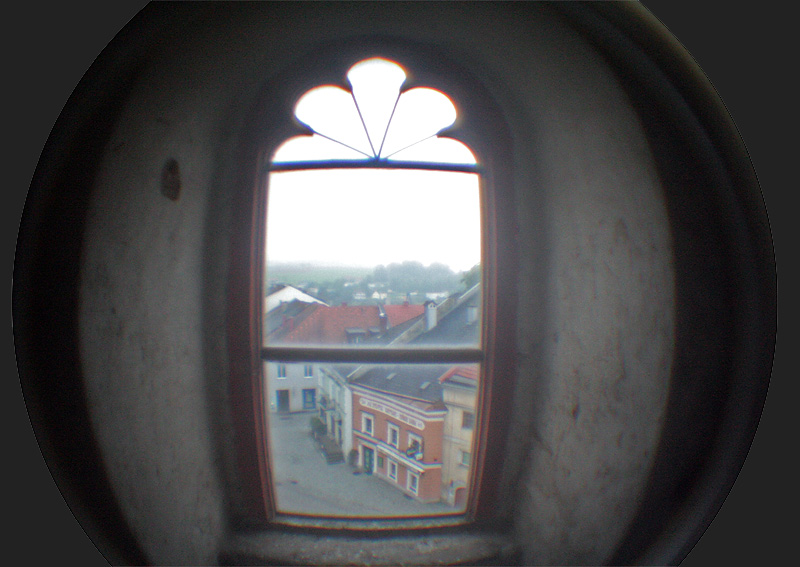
(374, 215)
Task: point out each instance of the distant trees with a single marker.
(410, 276)
(409, 280)
(471, 276)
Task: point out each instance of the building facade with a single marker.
(459, 394)
(335, 402)
(399, 438)
(291, 387)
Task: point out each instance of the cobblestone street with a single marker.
(306, 484)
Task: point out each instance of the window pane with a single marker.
(373, 257)
(437, 150)
(420, 113)
(376, 85)
(383, 440)
(331, 111)
(313, 148)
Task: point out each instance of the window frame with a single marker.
(483, 128)
(471, 425)
(365, 418)
(412, 438)
(391, 429)
(409, 475)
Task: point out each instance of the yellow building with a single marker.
(459, 393)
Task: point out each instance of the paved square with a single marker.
(306, 484)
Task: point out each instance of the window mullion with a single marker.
(373, 163)
(373, 355)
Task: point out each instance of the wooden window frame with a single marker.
(482, 127)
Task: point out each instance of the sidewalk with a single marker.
(306, 484)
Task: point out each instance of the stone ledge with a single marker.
(287, 548)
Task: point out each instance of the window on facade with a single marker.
(414, 449)
(308, 371)
(374, 216)
(393, 435)
(366, 423)
(281, 371)
(467, 420)
(464, 458)
(413, 482)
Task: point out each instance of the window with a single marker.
(389, 197)
(308, 371)
(464, 458)
(412, 482)
(414, 449)
(467, 420)
(393, 435)
(392, 470)
(281, 371)
(367, 421)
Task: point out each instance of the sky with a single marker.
(367, 217)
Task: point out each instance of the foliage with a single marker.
(471, 276)
(392, 283)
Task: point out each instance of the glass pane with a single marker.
(373, 257)
(381, 441)
(331, 111)
(313, 148)
(420, 114)
(437, 150)
(376, 85)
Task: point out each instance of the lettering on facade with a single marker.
(399, 416)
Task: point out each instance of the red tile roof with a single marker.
(469, 372)
(329, 324)
(399, 314)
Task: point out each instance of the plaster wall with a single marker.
(594, 270)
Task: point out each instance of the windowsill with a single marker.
(277, 547)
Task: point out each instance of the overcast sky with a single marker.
(367, 217)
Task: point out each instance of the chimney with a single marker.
(430, 315)
(383, 320)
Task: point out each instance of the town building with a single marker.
(413, 424)
(296, 387)
(459, 395)
(398, 422)
(284, 293)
